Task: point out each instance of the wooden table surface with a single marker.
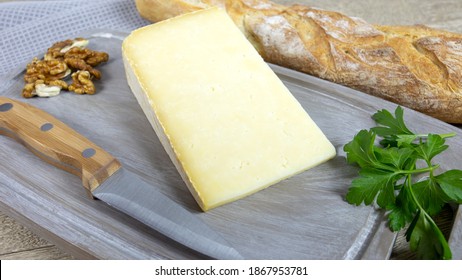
(18, 242)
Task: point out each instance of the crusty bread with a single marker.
(415, 66)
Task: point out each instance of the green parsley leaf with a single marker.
(387, 177)
(402, 212)
(404, 140)
(429, 195)
(361, 149)
(451, 184)
(390, 125)
(426, 239)
(395, 157)
(432, 147)
(373, 183)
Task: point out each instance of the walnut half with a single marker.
(81, 83)
(43, 89)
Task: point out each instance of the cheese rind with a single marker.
(229, 124)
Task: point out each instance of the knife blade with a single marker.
(106, 179)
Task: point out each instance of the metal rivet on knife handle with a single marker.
(46, 127)
(87, 153)
(60, 145)
(5, 107)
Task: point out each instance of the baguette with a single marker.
(414, 66)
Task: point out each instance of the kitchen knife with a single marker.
(104, 177)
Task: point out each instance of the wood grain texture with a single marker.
(20, 243)
(16, 238)
(50, 252)
(56, 143)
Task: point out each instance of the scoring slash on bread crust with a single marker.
(415, 66)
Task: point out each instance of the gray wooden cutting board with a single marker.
(303, 217)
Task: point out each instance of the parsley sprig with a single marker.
(399, 175)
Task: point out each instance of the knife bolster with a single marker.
(92, 180)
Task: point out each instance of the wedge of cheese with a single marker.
(227, 121)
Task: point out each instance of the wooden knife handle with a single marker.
(56, 143)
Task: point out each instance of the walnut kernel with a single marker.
(81, 83)
(43, 89)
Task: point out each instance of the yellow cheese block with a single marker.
(229, 124)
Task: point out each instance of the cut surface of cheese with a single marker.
(229, 124)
